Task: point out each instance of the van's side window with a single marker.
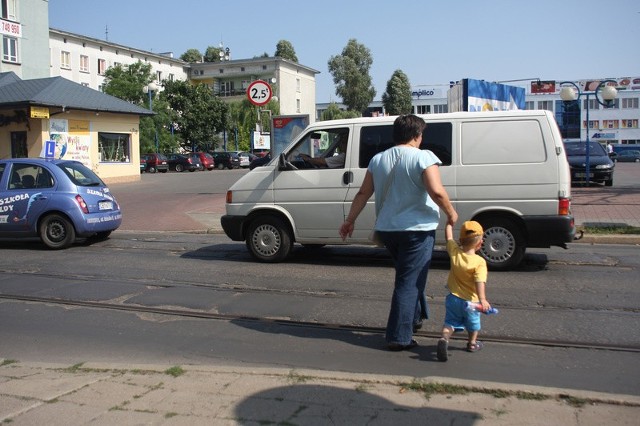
(436, 138)
(321, 149)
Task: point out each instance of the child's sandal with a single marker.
(474, 347)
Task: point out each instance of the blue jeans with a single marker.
(411, 252)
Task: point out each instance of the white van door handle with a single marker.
(347, 178)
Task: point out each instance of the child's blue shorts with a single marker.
(458, 317)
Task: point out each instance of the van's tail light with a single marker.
(229, 197)
(564, 206)
(82, 204)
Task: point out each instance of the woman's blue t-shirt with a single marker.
(406, 206)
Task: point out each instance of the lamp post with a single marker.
(269, 112)
(570, 92)
(151, 88)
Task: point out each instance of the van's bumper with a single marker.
(545, 231)
(233, 226)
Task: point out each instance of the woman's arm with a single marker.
(435, 189)
(358, 203)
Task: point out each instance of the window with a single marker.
(9, 10)
(630, 103)
(437, 137)
(298, 85)
(593, 124)
(226, 88)
(298, 105)
(529, 105)
(610, 124)
(485, 142)
(102, 66)
(440, 109)
(65, 60)
(629, 124)
(10, 49)
(325, 143)
(159, 76)
(548, 105)
(423, 109)
(114, 147)
(171, 77)
(84, 63)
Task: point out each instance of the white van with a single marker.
(506, 170)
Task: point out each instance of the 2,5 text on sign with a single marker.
(10, 28)
(259, 93)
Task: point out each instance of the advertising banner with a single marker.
(72, 140)
(284, 129)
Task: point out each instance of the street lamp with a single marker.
(151, 88)
(570, 92)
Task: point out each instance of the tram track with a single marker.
(197, 314)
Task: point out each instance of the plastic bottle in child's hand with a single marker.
(477, 307)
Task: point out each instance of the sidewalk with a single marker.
(100, 394)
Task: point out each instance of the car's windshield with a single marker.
(80, 174)
(580, 148)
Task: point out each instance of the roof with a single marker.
(60, 92)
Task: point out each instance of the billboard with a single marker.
(284, 129)
(479, 95)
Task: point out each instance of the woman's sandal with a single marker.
(474, 347)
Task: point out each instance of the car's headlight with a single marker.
(604, 166)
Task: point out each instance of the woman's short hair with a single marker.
(407, 127)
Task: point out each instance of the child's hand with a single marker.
(485, 305)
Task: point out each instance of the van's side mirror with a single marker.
(283, 164)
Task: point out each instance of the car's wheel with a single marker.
(220, 166)
(608, 182)
(504, 246)
(56, 232)
(152, 169)
(637, 160)
(269, 239)
(179, 168)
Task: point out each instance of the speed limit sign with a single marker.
(259, 93)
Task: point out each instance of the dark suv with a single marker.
(226, 160)
(156, 163)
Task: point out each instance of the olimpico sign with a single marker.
(426, 93)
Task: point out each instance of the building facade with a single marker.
(24, 26)
(84, 60)
(617, 124)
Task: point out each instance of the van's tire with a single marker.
(56, 231)
(269, 239)
(179, 168)
(504, 244)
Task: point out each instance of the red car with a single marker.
(207, 161)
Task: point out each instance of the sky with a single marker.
(431, 41)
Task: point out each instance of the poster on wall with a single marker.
(72, 140)
(285, 129)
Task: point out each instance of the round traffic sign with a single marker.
(259, 93)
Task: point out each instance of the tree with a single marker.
(243, 116)
(284, 49)
(197, 114)
(191, 55)
(350, 72)
(397, 98)
(127, 82)
(333, 112)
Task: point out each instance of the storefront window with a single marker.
(114, 147)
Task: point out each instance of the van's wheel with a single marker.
(179, 168)
(504, 245)
(56, 232)
(269, 239)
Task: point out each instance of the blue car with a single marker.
(56, 200)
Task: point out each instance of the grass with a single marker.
(605, 229)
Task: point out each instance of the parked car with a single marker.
(182, 162)
(629, 155)
(156, 163)
(206, 160)
(226, 159)
(260, 161)
(56, 200)
(600, 165)
(246, 158)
